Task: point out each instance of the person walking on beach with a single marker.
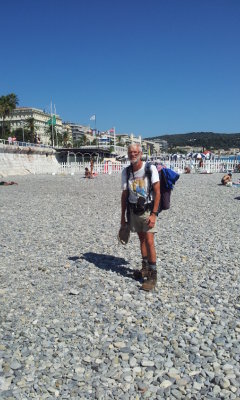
(140, 202)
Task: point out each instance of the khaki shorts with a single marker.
(138, 223)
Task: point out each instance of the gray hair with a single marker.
(135, 144)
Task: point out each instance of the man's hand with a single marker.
(151, 221)
(123, 222)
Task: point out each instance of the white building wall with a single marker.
(20, 116)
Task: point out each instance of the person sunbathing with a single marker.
(226, 179)
(4, 183)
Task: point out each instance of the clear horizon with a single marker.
(151, 69)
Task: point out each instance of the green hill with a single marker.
(208, 140)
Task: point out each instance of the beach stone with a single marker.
(15, 365)
(73, 292)
(224, 383)
(173, 373)
(165, 384)
(5, 383)
(132, 362)
(197, 386)
(119, 345)
(142, 387)
(183, 381)
(176, 394)
(137, 370)
(147, 363)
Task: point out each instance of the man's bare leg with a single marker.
(151, 281)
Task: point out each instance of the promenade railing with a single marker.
(121, 150)
(23, 144)
(208, 166)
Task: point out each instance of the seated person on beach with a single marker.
(187, 170)
(226, 179)
(3, 183)
(87, 173)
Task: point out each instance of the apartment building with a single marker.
(19, 120)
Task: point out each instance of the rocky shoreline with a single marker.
(74, 324)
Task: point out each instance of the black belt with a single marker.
(134, 207)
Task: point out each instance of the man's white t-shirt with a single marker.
(138, 183)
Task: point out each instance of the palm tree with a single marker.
(63, 139)
(82, 141)
(52, 133)
(8, 103)
(30, 126)
(66, 139)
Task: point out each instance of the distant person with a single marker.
(226, 179)
(187, 170)
(10, 140)
(87, 173)
(237, 168)
(4, 183)
(91, 167)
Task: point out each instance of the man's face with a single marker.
(134, 154)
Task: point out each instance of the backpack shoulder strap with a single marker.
(128, 171)
(148, 173)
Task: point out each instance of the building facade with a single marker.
(78, 130)
(20, 116)
(150, 148)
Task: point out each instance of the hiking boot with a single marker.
(151, 281)
(141, 273)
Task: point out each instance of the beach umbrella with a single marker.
(189, 155)
(198, 156)
(207, 154)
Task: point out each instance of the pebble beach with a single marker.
(74, 322)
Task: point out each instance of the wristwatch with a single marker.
(155, 213)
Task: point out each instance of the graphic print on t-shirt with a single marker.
(138, 187)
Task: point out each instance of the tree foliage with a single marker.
(82, 141)
(8, 103)
(30, 129)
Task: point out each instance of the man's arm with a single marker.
(157, 195)
(123, 206)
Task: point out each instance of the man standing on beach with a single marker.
(142, 203)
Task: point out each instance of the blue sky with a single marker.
(147, 67)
